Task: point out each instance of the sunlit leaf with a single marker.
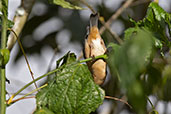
(72, 91)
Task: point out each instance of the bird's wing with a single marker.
(87, 49)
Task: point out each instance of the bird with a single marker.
(94, 46)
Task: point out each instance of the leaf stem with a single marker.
(25, 96)
(117, 99)
(96, 57)
(3, 92)
(2, 68)
(150, 103)
(24, 87)
(86, 4)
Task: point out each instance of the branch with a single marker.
(24, 87)
(22, 99)
(116, 15)
(19, 20)
(117, 99)
(25, 96)
(113, 33)
(22, 49)
(86, 4)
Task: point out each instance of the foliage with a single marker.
(133, 62)
(142, 64)
(71, 91)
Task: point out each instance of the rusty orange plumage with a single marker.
(94, 46)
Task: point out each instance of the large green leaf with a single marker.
(133, 55)
(65, 4)
(72, 91)
(128, 61)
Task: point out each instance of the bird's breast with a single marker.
(97, 47)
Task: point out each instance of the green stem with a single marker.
(25, 96)
(96, 57)
(2, 68)
(3, 92)
(49, 73)
(150, 103)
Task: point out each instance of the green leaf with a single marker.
(130, 60)
(72, 91)
(65, 4)
(156, 22)
(111, 49)
(130, 32)
(133, 55)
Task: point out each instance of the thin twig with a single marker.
(24, 87)
(116, 15)
(22, 49)
(19, 20)
(150, 103)
(86, 4)
(113, 33)
(25, 96)
(117, 99)
(21, 94)
(22, 98)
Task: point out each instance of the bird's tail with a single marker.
(94, 20)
